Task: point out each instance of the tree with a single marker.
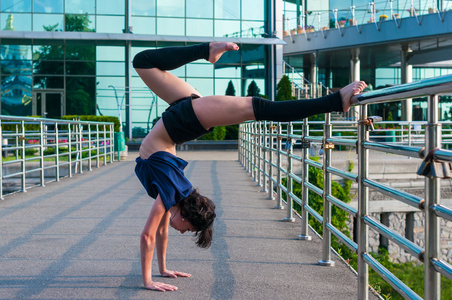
(230, 90)
(284, 89)
(253, 89)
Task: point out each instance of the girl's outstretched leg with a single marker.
(226, 110)
(152, 65)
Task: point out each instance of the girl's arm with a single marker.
(147, 246)
(162, 242)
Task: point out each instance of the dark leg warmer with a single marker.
(292, 110)
(170, 58)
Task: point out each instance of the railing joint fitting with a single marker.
(421, 256)
(327, 145)
(305, 143)
(421, 205)
(370, 121)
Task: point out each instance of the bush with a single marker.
(93, 118)
(218, 134)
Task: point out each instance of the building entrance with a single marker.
(49, 103)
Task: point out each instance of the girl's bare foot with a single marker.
(349, 91)
(217, 49)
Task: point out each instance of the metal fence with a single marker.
(36, 151)
(261, 142)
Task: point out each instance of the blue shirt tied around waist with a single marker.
(163, 174)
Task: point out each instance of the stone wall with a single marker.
(397, 222)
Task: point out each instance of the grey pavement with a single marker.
(79, 239)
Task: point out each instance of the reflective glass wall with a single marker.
(91, 76)
(223, 18)
(62, 69)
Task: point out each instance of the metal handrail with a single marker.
(264, 138)
(52, 143)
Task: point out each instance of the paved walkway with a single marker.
(79, 239)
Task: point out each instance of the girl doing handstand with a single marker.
(190, 116)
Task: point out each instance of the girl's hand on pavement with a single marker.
(174, 274)
(160, 286)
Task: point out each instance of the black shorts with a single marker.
(181, 122)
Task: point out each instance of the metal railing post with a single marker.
(247, 147)
(41, 153)
(57, 154)
(89, 147)
(69, 140)
(363, 195)
(22, 146)
(270, 162)
(279, 204)
(239, 154)
(304, 190)
(432, 283)
(1, 159)
(264, 158)
(112, 143)
(259, 152)
(105, 145)
(97, 147)
(80, 133)
(289, 180)
(326, 251)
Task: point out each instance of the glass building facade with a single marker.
(334, 69)
(48, 71)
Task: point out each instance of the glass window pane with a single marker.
(179, 72)
(110, 68)
(80, 95)
(253, 29)
(253, 10)
(143, 7)
(48, 82)
(53, 51)
(48, 22)
(48, 6)
(48, 67)
(15, 67)
(110, 24)
(200, 70)
(196, 27)
(80, 23)
(194, 11)
(80, 68)
(253, 54)
(317, 5)
(170, 8)
(80, 6)
(110, 7)
(227, 71)
(204, 86)
(15, 6)
(227, 9)
(221, 86)
(16, 59)
(144, 25)
(16, 95)
(107, 53)
(170, 26)
(227, 28)
(80, 52)
(18, 22)
(254, 87)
